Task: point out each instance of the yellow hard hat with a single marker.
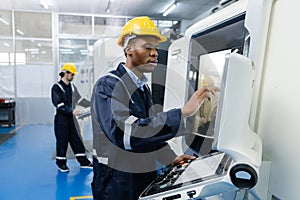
(140, 26)
(71, 67)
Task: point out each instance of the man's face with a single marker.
(144, 54)
(69, 76)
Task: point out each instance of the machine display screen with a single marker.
(209, 73)
(207, 61)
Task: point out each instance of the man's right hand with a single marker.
(194, 103)
(76, 112)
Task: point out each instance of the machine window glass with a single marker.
(207, 59)
(208, 73)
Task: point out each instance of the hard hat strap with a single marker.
(127, 39)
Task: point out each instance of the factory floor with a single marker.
(28, 170)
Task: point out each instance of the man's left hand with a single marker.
(183, 157)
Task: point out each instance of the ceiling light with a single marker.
(20, 32)
(65, 50)
(84, 51)
(107, 7)
(45, 4)
(33, 50)
(4, 21)
(71, 52)
(170, 9)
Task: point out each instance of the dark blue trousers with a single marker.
(66, 132)
(111, 184)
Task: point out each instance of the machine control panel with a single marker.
(189, 173)
(169, 177)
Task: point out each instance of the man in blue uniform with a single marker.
(64, 97)
(129, 137)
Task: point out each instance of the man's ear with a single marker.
(128, 51)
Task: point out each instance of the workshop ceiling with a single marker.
(185, 10)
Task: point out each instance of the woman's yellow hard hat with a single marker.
(140, 26)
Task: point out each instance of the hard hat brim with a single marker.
(160, 37)
(64, 71)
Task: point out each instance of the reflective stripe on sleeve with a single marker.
(79, 100)
(127, 131)
(59, 105)
(94, 152)
(100, 159)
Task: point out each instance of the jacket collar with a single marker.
(122, 73)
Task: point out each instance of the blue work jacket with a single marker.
(124, 130)
(66, 97)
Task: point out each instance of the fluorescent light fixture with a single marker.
(84, 51)
(32, 50)
(6, 44)
(4, 21)
(20, 32)
(170, 9)
(65, 50)
(45, 4)
(108, 6)
(165, 23)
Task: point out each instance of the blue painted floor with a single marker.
(28, 172)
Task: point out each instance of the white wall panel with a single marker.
(34, 81)
(278, 122)
(6, 82)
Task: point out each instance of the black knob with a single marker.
(243, 176)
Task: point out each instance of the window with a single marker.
(109, 27)
(5, 23)
(5, 52)
(33, 51)
(72, 24)
(33, 25)
(72, 50)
